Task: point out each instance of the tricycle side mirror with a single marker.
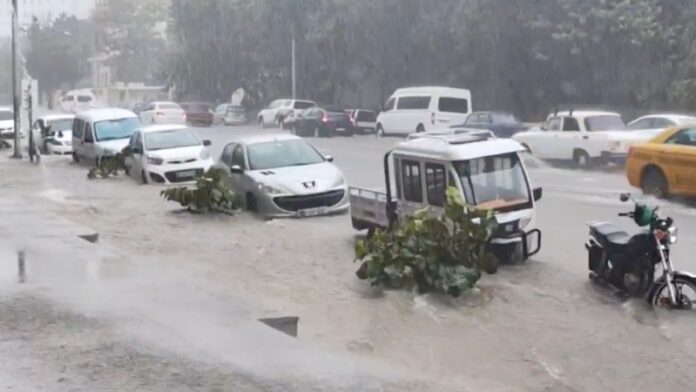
(236, 169)
(60, 133)
(538, 192)
(625, 197)
(207, 143)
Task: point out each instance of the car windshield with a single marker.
(116, 129)
(175, 138)
(504, 118)
(168, 106)
(303, 104)
(494, 182)
(235, 110)
(6, 115)
(606, 122)
(61, 125)
(282, 153)
(196, 108)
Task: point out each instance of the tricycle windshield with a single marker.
(496, 182)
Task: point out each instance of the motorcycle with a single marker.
(630, 263)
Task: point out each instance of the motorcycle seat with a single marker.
(608, 234)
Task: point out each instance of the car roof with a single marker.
(105, 114)
(669, 116)
(256, 139)
(163, 128)
(582, 113)
(164, 102)
(431, 90)
(57, 117)
(457, 147)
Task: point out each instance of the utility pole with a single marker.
(16, 88)
(294, 67)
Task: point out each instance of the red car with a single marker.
(198, 113)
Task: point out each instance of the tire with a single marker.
(144, 178)
(75, 158)
(420, 128)
(251, 204)
(379, 132)
(582, 159)
(686, 301)
(261, 123)
(654, 183)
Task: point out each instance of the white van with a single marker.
(421, 109)
(76, 101)
(100, 133)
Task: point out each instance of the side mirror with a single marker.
(136, 150)
(538, 192)
(625, 197)
(207, 143)
(60, 133)
(236, 169)
(89, 139)
(329, 158)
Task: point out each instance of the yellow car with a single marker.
(666, 165)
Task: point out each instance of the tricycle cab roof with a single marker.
(456, 147)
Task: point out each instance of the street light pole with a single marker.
(16, 88)
(294, 67)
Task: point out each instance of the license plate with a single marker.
(186, 174)
(311, 212)
(340, 129)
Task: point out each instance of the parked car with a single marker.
(319, 122)
(235, 115)
(420, 109)
(219, 112)
(648, 168)
(584, 137)
(284, 176)
(163, 113)
(75, 101)
(364, 121)
(55, 133)
(139, 107)
(488, 173)
(198, 113)
(656, 123)
(6, 123)
(167, 154)
(502, 124)
(278, 110)
(102, 133)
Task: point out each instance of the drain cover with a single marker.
(286, 325)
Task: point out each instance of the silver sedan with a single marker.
(284, 176)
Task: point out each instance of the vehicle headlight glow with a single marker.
(205, 154)
(154, 160)
(673, 234)
(270, 189)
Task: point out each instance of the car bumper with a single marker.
(519, 245)
(614, 157)
(186, 173)
(59, 150)
(300, 206)
(235, 121)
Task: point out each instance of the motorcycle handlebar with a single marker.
(625, 214)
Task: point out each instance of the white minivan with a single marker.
(421, 109)
(76, 101)
(100, 133)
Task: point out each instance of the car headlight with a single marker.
(270, 189)
(109, 153)
(524, 222)
(205, 154)
(155, 160)
(340, 181)
(673, 234)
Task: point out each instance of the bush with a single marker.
(108, 167)
(445, 253)
(210, 194)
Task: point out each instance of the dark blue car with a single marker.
(502, 124)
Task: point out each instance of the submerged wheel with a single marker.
(582, 159)
(144, 178)
(654, 183)
(251, 204)
(380, 131)
(685, 290)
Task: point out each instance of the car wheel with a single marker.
(261, 123)
(380, 131)
(251, 204)
(420, 128)
(654, 183)
(144, 178)
(582, 159)
(75, 158)
(281, 123)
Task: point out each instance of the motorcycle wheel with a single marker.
(685, 292)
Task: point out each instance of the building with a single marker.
(44, 11)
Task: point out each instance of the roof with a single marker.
(432, 89)
(583, 113)
(457, 147)
(164, 102)
(256, 139)
(476, 132)
(105, 114)
(57, 117)
(163, 128)
(678, 118)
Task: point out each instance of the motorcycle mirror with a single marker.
(625, 197)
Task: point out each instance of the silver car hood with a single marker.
(300, 180)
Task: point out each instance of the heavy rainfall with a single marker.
(347, 195)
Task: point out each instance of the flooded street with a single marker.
(169, 301)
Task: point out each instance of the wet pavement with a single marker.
(169, 301)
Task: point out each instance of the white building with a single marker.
(43, 10)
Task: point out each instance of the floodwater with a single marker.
(194, 286)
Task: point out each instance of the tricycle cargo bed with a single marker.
(368, 208)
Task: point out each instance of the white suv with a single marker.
(280, 109)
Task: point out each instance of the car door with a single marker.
(568, 139)
(89, 147)
(388, 115)
(77, 135)
(238, 158)
(678, 156)
(412, 113)
(411, 186)
(542, 142)
(139, 154)
(146, 114)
